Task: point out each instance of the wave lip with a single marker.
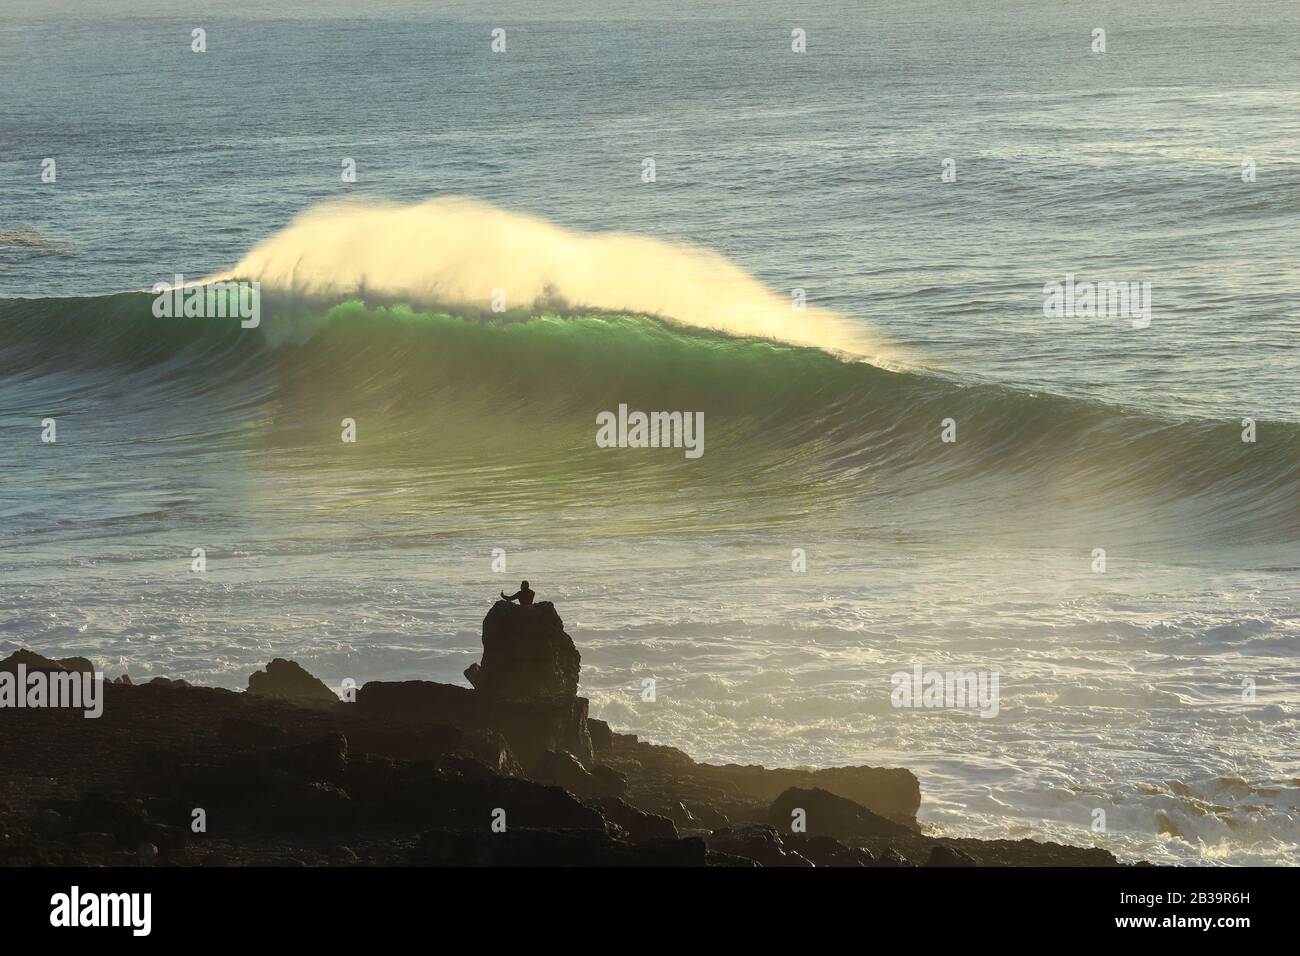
(458, 251)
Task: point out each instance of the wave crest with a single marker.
(458, 251)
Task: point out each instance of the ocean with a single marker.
(925, 465)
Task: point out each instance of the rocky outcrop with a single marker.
(526, 653)
(889, 791)
(530, 726)
(289, 681)
(563, 769)
(34, 663)
(418, 772)
(762, 844)
(827, 814)
(535, 847)
(602, 740)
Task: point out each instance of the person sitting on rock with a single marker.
(525, 594)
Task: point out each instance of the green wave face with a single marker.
(469, 408)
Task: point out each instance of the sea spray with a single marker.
(458, 251)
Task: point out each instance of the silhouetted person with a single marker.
(525, 594)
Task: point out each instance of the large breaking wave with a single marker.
(383, 310)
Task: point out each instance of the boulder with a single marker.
(288, 680)
(889, 791)
(34, 662)
(167, 682)
(828, 814)
(526, 653)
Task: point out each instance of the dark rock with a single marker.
(491, 749)
(706, 816)
(96, 812)
(659, 757)
(611, 781)
(124, 679)
(288, 680)
(530, 727)
(949, 856)
(827, 814)
(167, 682)
(249, 733)
(294, 805)
(322, 759)
(78, 664)
(526, 653)
(34, 662)
(49, 823)
(640, 826)
(533, 847)
(562, 769)
(682, 817)
(474, 674)
(890, 792)
(602, 739)
(891, 857)
(716, 858)
(827, 851)
(762, 844)
(102, 842)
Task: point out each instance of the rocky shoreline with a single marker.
(511, 772)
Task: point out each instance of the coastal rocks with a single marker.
(890, 792)
(667, 781)
(168, 682)
(101, 822)
(530, 726)
(289, 681)
(562, 769)
(949, 856)
(33, 662)
(827, 851)
(762, 844)
(641, 827)
(891, 857)
(827, 814)
(526, 653)
(534, 847)
(280, 781)
(602, 740)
